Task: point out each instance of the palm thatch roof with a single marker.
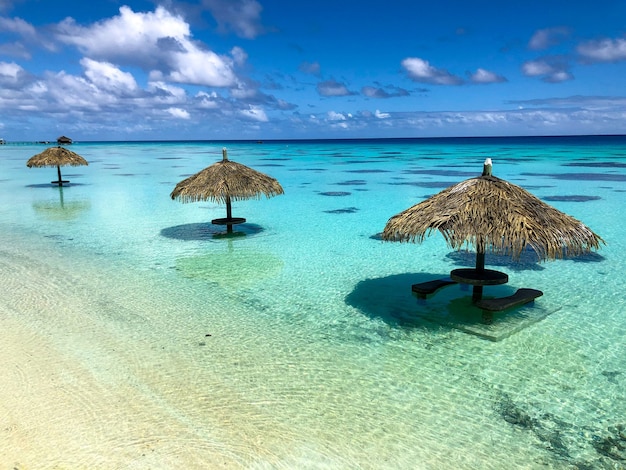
(493, 216)
(225, 181)
(54, 157)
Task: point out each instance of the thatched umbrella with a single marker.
(56, 156)
(226, 181)
(493, 216)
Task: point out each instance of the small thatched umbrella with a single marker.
(226, 181)
(56, 156)
(493, 216)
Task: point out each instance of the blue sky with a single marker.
(278, 69)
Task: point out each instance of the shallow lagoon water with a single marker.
(141, 338)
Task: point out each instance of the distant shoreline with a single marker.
(491, 139)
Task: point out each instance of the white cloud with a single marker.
(420, 70)
(241, 16)
(18, 26)
(312, 68)
(604, 50)
(178, 113)
(165, 93)
(207, 100)
(485, 76)
(10, 71)
(239, 56)
(379, 92)
(70, 92)
(380, 115)
(548, 37)
(157, 41)
(333, 88)
(254, 113)
(551, 71)
(335, 116)
(108, 77)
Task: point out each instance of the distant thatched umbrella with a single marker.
(226, 181)
(56, 156)
(493, 216)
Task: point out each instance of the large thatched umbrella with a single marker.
(226, 181)
(495, 216)
(56, 156)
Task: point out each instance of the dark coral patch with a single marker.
(424, 184)
(367, 171)
(572, 198)
(352, 183)
(346, 210)
(335, 193)
(442, 173)
(581, 176)
(597, 164)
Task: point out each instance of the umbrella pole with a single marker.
(477, 292)
(229, 215)
(59, 174)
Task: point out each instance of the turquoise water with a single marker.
(147, 340)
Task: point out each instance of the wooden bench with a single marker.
(521, 297)
(430, 287)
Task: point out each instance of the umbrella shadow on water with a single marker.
(49, 186)
(231, 268)
(62, 209)
(528, 260)
(390, 298)
(208, 231)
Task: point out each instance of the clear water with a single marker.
(134, 337)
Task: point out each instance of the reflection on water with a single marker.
(232, 266)
(63, 209)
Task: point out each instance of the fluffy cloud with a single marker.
(18, 26)
(312, 68)
(157, 41)
(550, 70)
(548, 37)
(178, 113)
(108, 77)
(333, 88)
(604, 50)
(10, 73)
(243, 17)
(254, 113)
(335, 116)
(485, 76)
(381, 92)
(381, 115)
(420, 70)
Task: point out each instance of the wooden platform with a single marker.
(430, 287)
(521, 297)
(484, 277)
(229, 221)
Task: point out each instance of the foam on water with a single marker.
(142, 338)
